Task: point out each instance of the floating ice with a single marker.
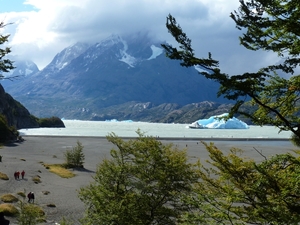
(217, 122)
(115, 120)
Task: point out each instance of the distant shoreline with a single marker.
(169, 138)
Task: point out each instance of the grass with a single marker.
(36, 179)
(35, 208)
(9, 198)
(31, 214)
(9, 209)
(59, 170)
(3, 176)
(22, 194)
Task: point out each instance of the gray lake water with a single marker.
(163, 130)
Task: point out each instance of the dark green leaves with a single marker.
(269, 25)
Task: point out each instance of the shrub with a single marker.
(74, 158)
(30, 214)
(9, 198)
(7, 132)
(22, 194)
(65, 221)
(9, 209)
(36, 179)
(3, 176)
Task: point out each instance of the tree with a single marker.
(143, 182)
(271, 26)
(7, 132)
(236, 190)
(5, 64)
(30, 214)
(74, 157)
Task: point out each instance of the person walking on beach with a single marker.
(23, 174)
(29, 197)
(18, 175)
(32, 197)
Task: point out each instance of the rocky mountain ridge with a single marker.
(117, 78)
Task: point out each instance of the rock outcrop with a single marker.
(15, 113)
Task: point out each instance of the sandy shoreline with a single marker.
(29, 154)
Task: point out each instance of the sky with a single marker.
(39, 29)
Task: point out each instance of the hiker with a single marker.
(15, 175)
(29, 196)
(3, 221)
(23, 174)
(18, 175)
(32, 197)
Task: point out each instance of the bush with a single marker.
(36, 179)
(3, 176)
(30, 214)
(9, 209)
(74, 158)
(22, 194)
(9, 198)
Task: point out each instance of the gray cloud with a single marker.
(40, 34)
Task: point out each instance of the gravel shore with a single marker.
(63, 193)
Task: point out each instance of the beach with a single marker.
(63, 193)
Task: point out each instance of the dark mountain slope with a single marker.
(15, 113)
(84, 80)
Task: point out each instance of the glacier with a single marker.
(218, 122)
(156, 51)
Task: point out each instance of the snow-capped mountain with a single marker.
(23, 68)
(84, 80)
(63, 58)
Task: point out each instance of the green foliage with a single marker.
(30, 214)
(5, 64)
(271, 26)
(143, 182)
(8, 198)
(65, 221)
(7, 132)
(9, 209)
(51, 122)
(295, 140)
(236, 190)
(74, 158)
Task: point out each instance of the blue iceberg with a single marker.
(217, 122)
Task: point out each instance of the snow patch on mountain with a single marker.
(125, 57)
(62, 59)
(128, 59)
(22, 68)
(156, 51)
